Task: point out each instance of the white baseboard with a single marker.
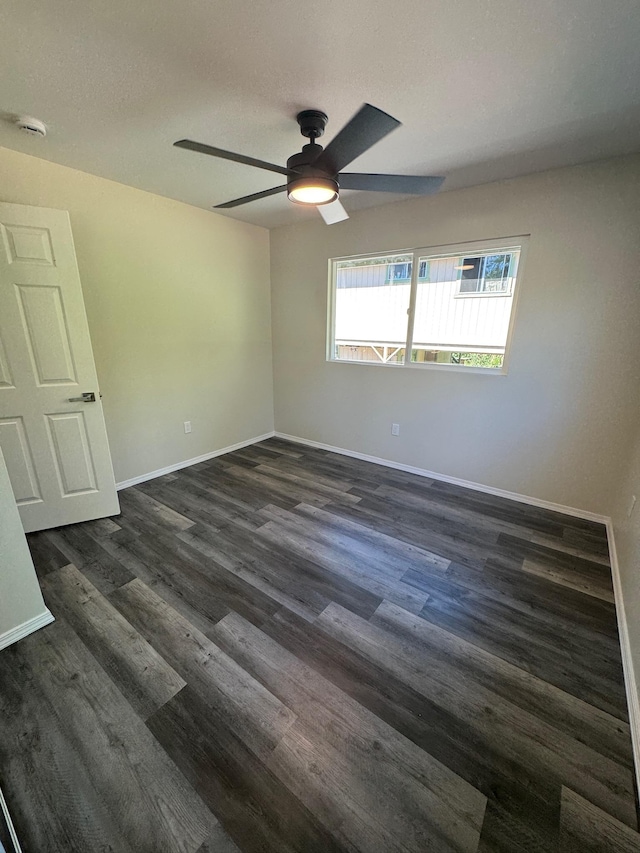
(26, 628)
(456, 481)
(630, 683)
(142, 478)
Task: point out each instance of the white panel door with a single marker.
(53, 439)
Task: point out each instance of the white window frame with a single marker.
(479, 247)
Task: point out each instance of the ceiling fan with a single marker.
(315, 176)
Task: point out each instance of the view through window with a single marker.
(457, 310)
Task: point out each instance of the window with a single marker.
(402, 272)
(399, 272)
(485, 274)
(382, 314)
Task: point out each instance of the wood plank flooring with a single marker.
(287, 650)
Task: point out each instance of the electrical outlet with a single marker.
(187, 426)
(632, 504)
(395, 429)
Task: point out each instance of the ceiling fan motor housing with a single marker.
(302, 164)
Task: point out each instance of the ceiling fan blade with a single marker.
(247, 198)
(201, 148)
(414, 184)
(333, 212)
(368, 126)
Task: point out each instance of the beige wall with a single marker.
(20, 597)
(557, 427)
(179, 313)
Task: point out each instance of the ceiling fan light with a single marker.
(312, 191)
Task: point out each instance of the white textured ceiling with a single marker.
(486, 89)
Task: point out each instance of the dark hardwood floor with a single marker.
(285, 650)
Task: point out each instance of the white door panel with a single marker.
(55, 447)
(71, 453)
(45, 330)
(14, 444)
(6, 379)
(28, 244)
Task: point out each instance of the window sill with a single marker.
(492, 295)
(426, 365)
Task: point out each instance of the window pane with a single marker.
(470, 332)
(470, 276)
(496, 270)
(371, 304)
(399, 272)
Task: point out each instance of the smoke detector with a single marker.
(33, 126)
